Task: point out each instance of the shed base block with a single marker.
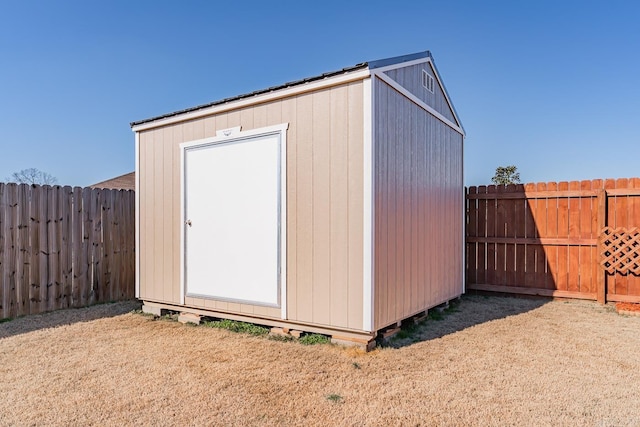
(185, 317)
(363, 344)
(151, 309)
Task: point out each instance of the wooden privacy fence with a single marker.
(567, 239)
(64, 247)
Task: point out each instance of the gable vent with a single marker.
(427, 81)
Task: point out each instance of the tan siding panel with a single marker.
(233, 119)
(339, 210)
(321, 207)
(209, 127)
(289, 116)
(246, 118)
(259, 116)
(166, 218)
(324, 205)
(304, 175)
(355, 206)
(419, 203)
(176, 208)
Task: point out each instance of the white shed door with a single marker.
(232, 220)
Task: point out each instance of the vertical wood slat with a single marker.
(552, 232)
(540, 257)
(471, 231)
(7, 250)
(34, 249)
(41, 249)
(106, 248)
(586, 213)
(481, 274)
(634, 221)
(510, 231)
(601, 203)
(66, 273)
(574, 231)
(501, 225)
(610, 184)
(563, 231)
(53, 252)
(531, 231)
(77, 282)
(518, 231)
(596, 269)
(491, 232)
(621, 218)
(23, 221)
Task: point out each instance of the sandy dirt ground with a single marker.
(492, 361)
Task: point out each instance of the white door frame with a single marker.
(235, 135)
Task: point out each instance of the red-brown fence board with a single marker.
(543, 238)
(634, 221)
(552, 232)
(481, 247)
(584, 254)
(574, 232)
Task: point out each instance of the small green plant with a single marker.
(6, 319)
(281, 338)
(356, 365)
(335, 398)
(139, 312)
(235, 326)
(313, 339)
(173, 317)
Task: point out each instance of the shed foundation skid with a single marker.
(278, 327)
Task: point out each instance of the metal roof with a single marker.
(256, 93)
(363, 65)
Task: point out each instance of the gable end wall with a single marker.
(418, 208)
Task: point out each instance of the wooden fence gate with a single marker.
(567, 239)
(64, 247)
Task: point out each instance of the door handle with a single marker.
(188, 222)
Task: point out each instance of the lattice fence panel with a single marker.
(620, 250)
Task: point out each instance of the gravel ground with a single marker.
(490, 361)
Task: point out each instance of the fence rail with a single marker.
(545, 239)
(64, 247)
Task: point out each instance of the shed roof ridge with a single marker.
(362, 65)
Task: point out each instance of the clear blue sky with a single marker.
(550, 86)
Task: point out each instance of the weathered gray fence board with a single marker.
(64, 247)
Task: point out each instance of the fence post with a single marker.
(601, 293)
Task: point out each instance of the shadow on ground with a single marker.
(53, 319)
(469, 311)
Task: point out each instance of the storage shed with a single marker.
(332, 204)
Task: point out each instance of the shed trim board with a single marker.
(258, 99)
(234, 142)
(368, 209)
(388, 80)
(137, 214)
(464, 227)
(381, 70)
